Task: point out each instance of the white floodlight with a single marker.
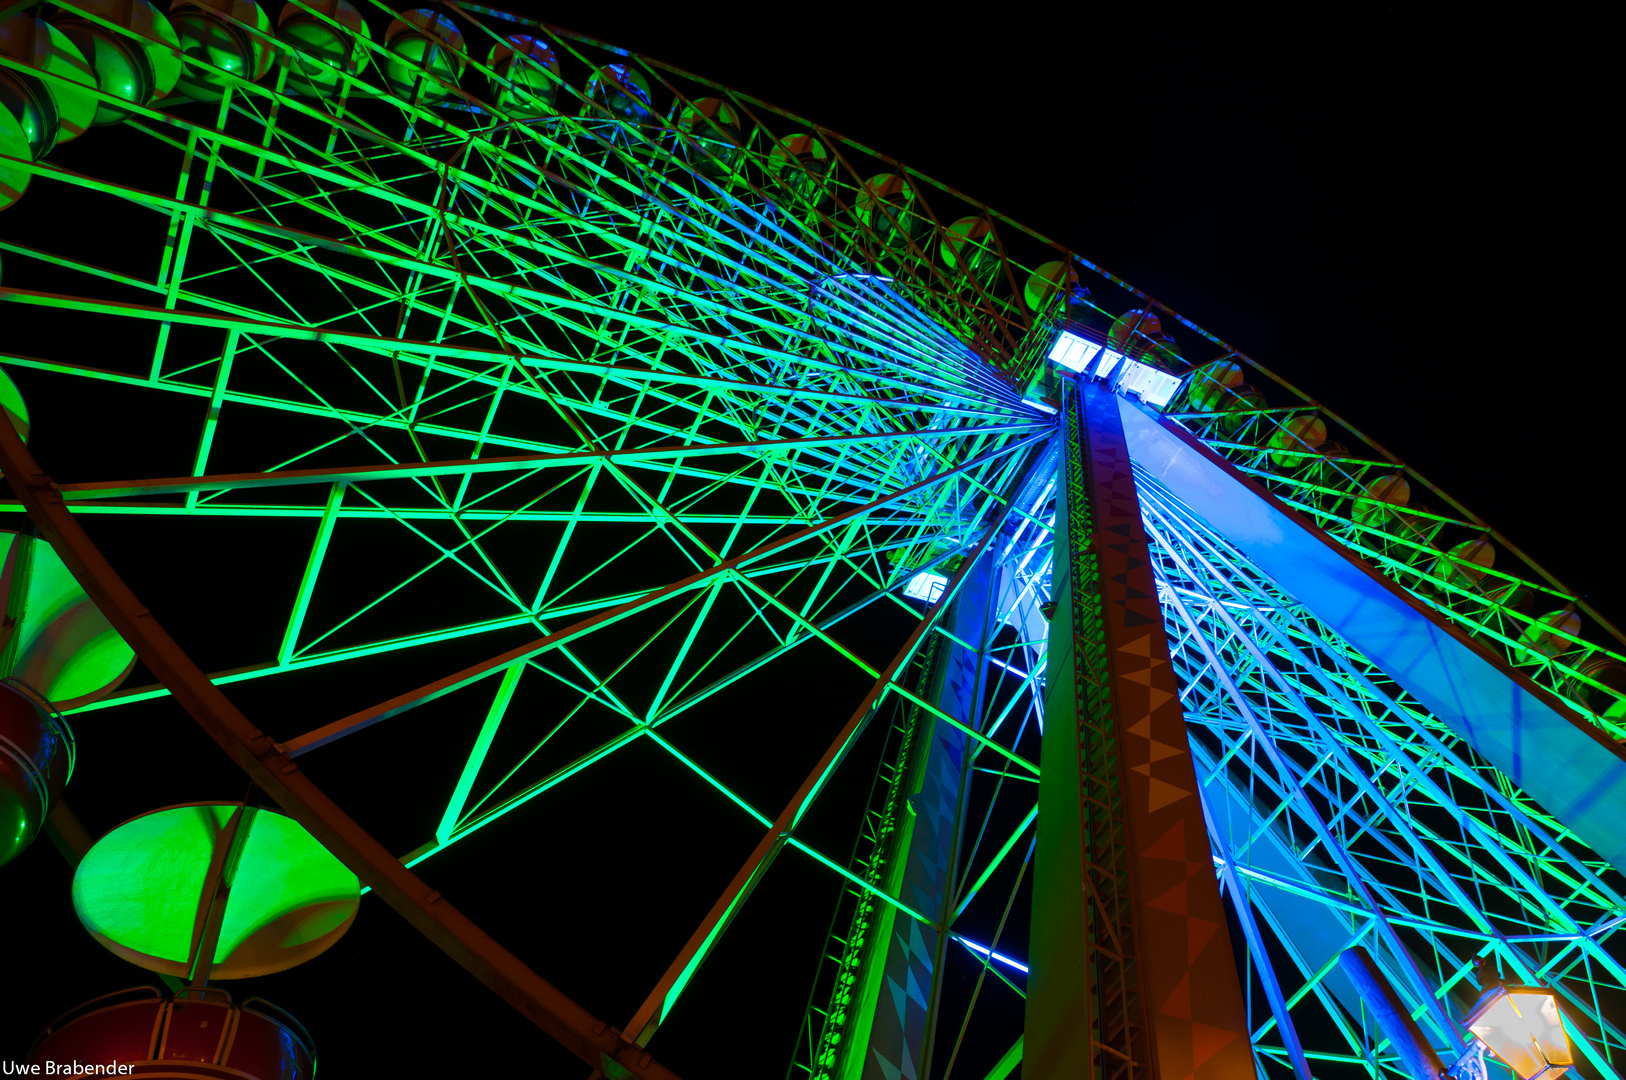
(925, 586)
(1073, 352)
(1161, 390)
(1088, 358)
(1154, 387)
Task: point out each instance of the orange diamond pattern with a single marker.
(1197, 1034)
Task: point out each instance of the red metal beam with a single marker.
(589, 1038)
(648, 1017)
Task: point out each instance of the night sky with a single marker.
(1403, 215)
(1403, 218)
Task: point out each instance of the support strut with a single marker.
(590, 1039)
(1132, 974)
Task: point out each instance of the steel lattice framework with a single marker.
(1328, 783)
(633, 406)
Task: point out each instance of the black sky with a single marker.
(1406, 215)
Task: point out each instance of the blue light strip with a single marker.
(985, 951)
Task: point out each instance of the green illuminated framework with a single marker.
(628, 397)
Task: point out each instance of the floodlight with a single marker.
(1154, 387)
(1073, 352)
(1108, 361)
(926, 586)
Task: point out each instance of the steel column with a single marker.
(1132, 973)
(904, 1014)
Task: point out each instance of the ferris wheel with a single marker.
(586, 496)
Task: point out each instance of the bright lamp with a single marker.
(1521, 1026)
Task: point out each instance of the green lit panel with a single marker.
(141, 891)
(15, 408)
(64, 646)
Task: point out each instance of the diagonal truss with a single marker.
(1343, 813)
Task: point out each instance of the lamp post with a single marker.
(1520, 1026)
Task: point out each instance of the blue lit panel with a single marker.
(1562, 763)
